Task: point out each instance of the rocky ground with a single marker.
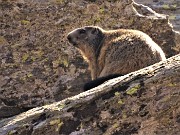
(38, 66)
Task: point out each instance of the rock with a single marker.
(169, 7)
(142, 102)
(42, 66)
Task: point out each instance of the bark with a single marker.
(145, 102)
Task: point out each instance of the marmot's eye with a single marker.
(82, 31)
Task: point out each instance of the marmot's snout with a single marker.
(70, 39)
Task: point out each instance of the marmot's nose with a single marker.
(69, 38)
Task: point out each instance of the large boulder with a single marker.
(168, 7)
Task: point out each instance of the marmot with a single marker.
(118, 51)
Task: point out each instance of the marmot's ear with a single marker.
(94, 31)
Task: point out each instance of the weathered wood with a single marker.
(142, 102)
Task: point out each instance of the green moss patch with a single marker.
(133, 90)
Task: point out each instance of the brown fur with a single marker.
(115, 51)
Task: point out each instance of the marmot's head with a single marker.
(89, 36)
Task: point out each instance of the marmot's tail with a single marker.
(98, 81)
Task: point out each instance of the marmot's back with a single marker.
(115, 51)
(129, 52)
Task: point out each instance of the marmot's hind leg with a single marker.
(91, 84)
